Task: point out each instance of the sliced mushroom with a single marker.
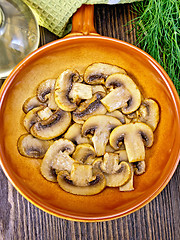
(63, 87)
(149, 113)
(32, 147)
(57, 158)
(74, 134)
(89, 108)
(135, 136)
(123, 155)
(109, 149)
(44, 88)
(97, 73)
(31, 118)
(116, 173)
(116, 99)
(129, 185)
(99, 127)
(45, 113)
(82, 180)
(31, 103)
(119, 115)
(98, 88)
(84, 153)
(80, 91)
(126, 94)
(51, 101)
(139, 167)
(53, 127)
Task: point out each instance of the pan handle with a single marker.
(83, 22)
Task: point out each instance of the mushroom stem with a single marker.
(100, 144)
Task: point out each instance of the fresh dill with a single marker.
(158, 33)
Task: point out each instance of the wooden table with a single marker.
(19, 219)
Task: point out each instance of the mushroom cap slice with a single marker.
(135, 136)
(149, 113)
(57, 158)
(96, 73)
(139, 167)
(32, 102)
(89, 108)
(80, 91)
(74, 134)
(44, 88)
(99, 127)
(84, 153)
(119, 115)
(123, 81)
(116, 173)
(82, 180)
(98, 88)
(63, 87)
(53, 127)
(31, 118)
(32, 147)
(116, 99)
(45, 113)
(128, 186)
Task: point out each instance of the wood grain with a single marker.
(159, 219)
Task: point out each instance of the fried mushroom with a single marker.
(134, 136)
(84, 153)
(63, 87)
(44, 88)
(89, 108)
(99, 127)
(74, 134)
(57, 159)
(82, 180)
(97, 73)
(32, 102)
(32, 147)
(116, 173)
(52, 127)
(31, 118)
(125, 94)
(139, 167)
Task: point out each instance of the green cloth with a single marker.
(55, 14)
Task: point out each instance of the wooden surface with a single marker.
(19, 219)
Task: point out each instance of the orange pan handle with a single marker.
(83, 22)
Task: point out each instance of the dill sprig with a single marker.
(158, 33)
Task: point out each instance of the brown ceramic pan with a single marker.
(78, 50)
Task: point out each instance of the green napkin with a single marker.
(55, 14)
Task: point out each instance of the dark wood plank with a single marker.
(159, 219)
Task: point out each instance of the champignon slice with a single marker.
(89, 108)
(139, 167)
(74, 134)
(109, 149)
(82, 180)
(31, 118)
(116, 173)
(127, 92)
(63, 87)
(51, 101)
(116, 99)
(119, 115)
(80, 91)
(45, 113)
(57, 158)
(53, 127)
(134, 136)
(97, 73)
(84, 153)
(149, 113)
(129, 185)
(31, 103)
(32, 147)
(98, 88)
(44, 88)
(99, 127)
